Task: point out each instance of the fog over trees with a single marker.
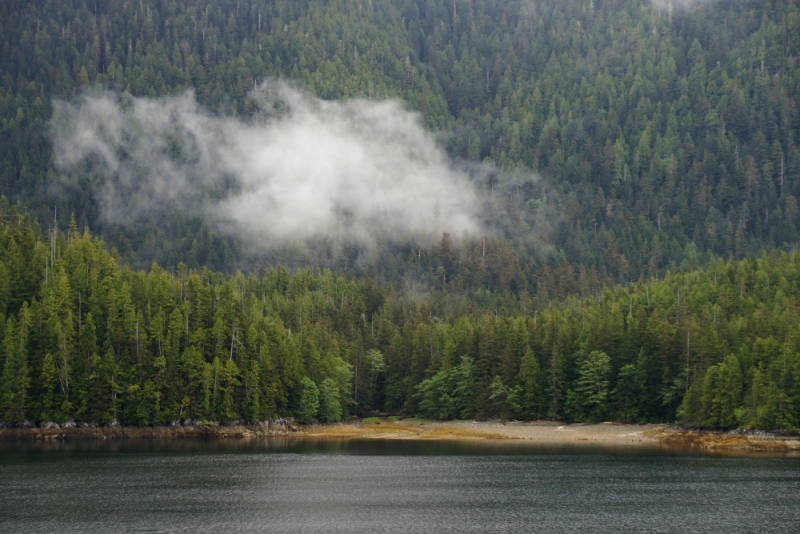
(598, 214)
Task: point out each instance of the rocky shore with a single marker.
(735, 440)
(535, 433)
(188, 429)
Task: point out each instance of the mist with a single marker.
(354, 172)
(680, 4)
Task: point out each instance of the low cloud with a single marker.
(301, 168)
(680, 4)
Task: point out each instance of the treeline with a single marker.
(84, 338)
(660, 134)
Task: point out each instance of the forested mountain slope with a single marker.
(659, 133)
(84, 338)
(642, 160)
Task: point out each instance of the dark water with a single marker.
(289, 486)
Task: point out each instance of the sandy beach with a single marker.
(534, 432)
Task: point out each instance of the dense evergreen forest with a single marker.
(648, 274)
(657, 132)
(90, 340)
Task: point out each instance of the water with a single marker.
(290, 486)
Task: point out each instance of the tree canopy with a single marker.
(647, 273)
(660, 135)
(88, 339)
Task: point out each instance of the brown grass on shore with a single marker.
(550, 433)
(539, 432)
(714, 440)
(406, 429)
(535, 432)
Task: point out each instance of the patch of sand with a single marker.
(535, 432)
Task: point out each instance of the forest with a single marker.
(88, 339)
(646, 273)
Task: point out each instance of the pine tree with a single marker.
(528, 396)
(592, 385)
(16, 376)
(330, 409)
(309, 401)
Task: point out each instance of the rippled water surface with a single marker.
(288, 486)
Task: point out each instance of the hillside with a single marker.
(657, 132)
(630, 171)
(89, 340)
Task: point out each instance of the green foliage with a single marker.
(660, 137)
(630, 394)
(330, 409)
(665, 141)
(716, 400)
(449, 393)
(16, 375)
(718, 347)
(528, 397)
(309, 401)
(48, 381)
(591, 387)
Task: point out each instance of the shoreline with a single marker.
(198, 431)
(518, 433)
(537, 432)
(711, 440)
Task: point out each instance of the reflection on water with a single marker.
(302, 445)
(288, 485)
(319, 446)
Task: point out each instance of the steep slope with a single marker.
(660, 134)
